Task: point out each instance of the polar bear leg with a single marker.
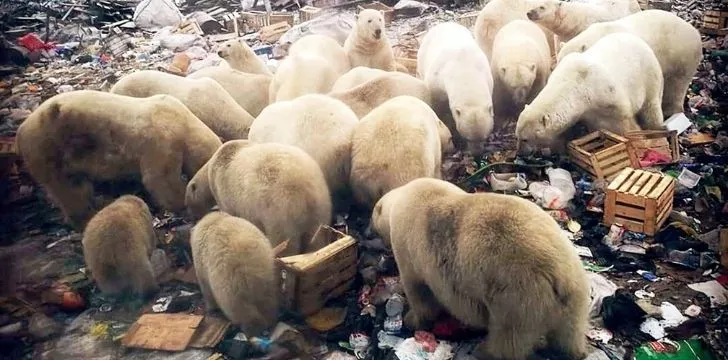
(674, 96)
(74, 199)
(161, 177)
(423, 307)
(651, 117)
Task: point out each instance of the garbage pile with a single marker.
(654, 296)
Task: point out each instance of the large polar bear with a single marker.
(74, 139)
(239, 56)
(368, 44)
(236, 269)
(676, 44)
(492, 261)
(497, 14)
(458, 75)
(204, 97)
(313, 65)
(277, 187)
(568, 19)
(615, 85)
(117, 244)
(395, 143)
(357, 76)
(250, 91)
(521, 65)
(369, 94)
(319, 125)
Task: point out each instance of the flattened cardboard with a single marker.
(170, 332)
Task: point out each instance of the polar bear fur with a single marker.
(568, 19)
(117, 244)
(277, 187)
(313, 65)
(490, 260)
(250, 91)
(521, 65)
(239, 56)
(319, 125)
(395, 143)
(236, 271)
(204, 97)
(615, 85)
(356, 77)
(460, 81)
(368, 44)
(676, 44)
(76, 138)
(368, 95)
(495, 15)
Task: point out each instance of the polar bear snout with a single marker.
(532, 14)
(377, 34)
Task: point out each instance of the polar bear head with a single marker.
(548, 11)
(370, 24)
(517, 79)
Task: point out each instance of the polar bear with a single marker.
(204, 97)
(521, 65)
(236, 270)
(395, 143)
(615, 85)
(368, 44)
(568, 19)
(458, 75)
(277, 187)
(76, 138)
(239, 56)
(368, 95)
(356, 77)
(313, 65)
(250, 91)
(453, 250)
(676, 44)
(319, 125)
(117, 244)
(495, 15)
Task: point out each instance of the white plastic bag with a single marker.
(153, 14)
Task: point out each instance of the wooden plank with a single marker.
(593, 147)
(614, 185)
(586, 139)
(609, 201)
(329, 282)
(614, 169)
(630, 199)
(630, 212)
(650, 216)
(584, 166)
(667, 195)
(304, 262)
(614, 137)
(640, 182)
(629, 224)
(606, 153)
(629, 182)
(664, 215)
(211, 330)
(650, 184)
(664, 183)
(595, 166)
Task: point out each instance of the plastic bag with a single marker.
(153, 14)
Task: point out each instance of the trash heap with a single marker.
(657, 292)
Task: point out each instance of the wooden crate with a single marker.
(641, 201)
(252, 21)
(309, 280)
(715, 22)
(602, 153)
(308, 12)
(468, 19)
(644, 4)
(662, 141)
(280, 17)
(387, 11)
(660, 5)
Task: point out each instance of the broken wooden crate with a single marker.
(640, 201)
(602, 153)
(309, 280)
(662, 141)
(387, 11)
(308, 12)
(715, 22)
(272, 33)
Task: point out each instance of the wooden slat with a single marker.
(630, 212)
(664, 214)
(614, 137)
(630, 180)
(650, 184)
(629, 224)
(667, 195)
(595, 165)
(664, 183)
(616, 168)
(609, 201)
(584, 166)
(590, 147)
(630, 199)
(616, 183)
(587, 138)
(606, 153)
(640, 182)
(650, 216)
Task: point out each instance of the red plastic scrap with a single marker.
(32, 42)
(427, 340)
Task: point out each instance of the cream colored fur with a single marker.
(313, 65)
(492, 261)
(568, 19)
(236, 271)
(250, 91)
(356, 77)
(117, 244)
(239, 56)
(676, 44)
(615, 85)
(74, 139)
(204, 97)
(395, 143)
(368, 44)
(279, 188)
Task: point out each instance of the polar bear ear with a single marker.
(583, 48)
(503, 70)
(583, 72)
(457, 112)
(533, 67)
(193, 186)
